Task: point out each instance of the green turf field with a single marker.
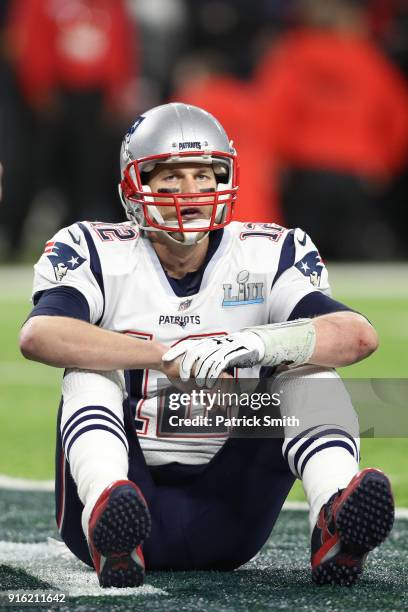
(277, 579)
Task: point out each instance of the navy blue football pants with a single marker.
(212, 516)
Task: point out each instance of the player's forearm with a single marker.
(342, 338)
(332, 340)
(69, 343)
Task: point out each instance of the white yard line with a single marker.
(63, 571)
(23, 484)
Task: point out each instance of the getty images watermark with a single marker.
(219, 407)
(371, 408)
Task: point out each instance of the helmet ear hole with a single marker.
(144, 177)
(221, 172)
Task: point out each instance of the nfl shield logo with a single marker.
(184, 305)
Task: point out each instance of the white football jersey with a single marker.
(258, 274)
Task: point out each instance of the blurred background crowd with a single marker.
(313, 92)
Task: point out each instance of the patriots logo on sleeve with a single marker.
(311, 265)
(63, 258)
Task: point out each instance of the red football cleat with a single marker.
(119, 523)
(353, 522)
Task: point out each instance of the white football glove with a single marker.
(208, 357)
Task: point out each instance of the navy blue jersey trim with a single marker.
(61, 302)
(287, 256)
(316, 303)
(96, 267)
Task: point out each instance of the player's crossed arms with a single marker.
(270, 345)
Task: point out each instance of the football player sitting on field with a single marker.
(181, 295)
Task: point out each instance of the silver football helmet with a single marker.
(177, 133)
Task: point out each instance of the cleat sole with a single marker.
(363, 521)
(124, 524)
(366, 518)
(337, 572)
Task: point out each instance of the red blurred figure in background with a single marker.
(75, 62)
(73, 44)
(335, 113)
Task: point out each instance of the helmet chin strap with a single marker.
(189, 238)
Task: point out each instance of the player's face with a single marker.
(183, 178)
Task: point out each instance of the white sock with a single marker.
(318, 397)
(97, 456)
(325, 473)
(94, 470)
